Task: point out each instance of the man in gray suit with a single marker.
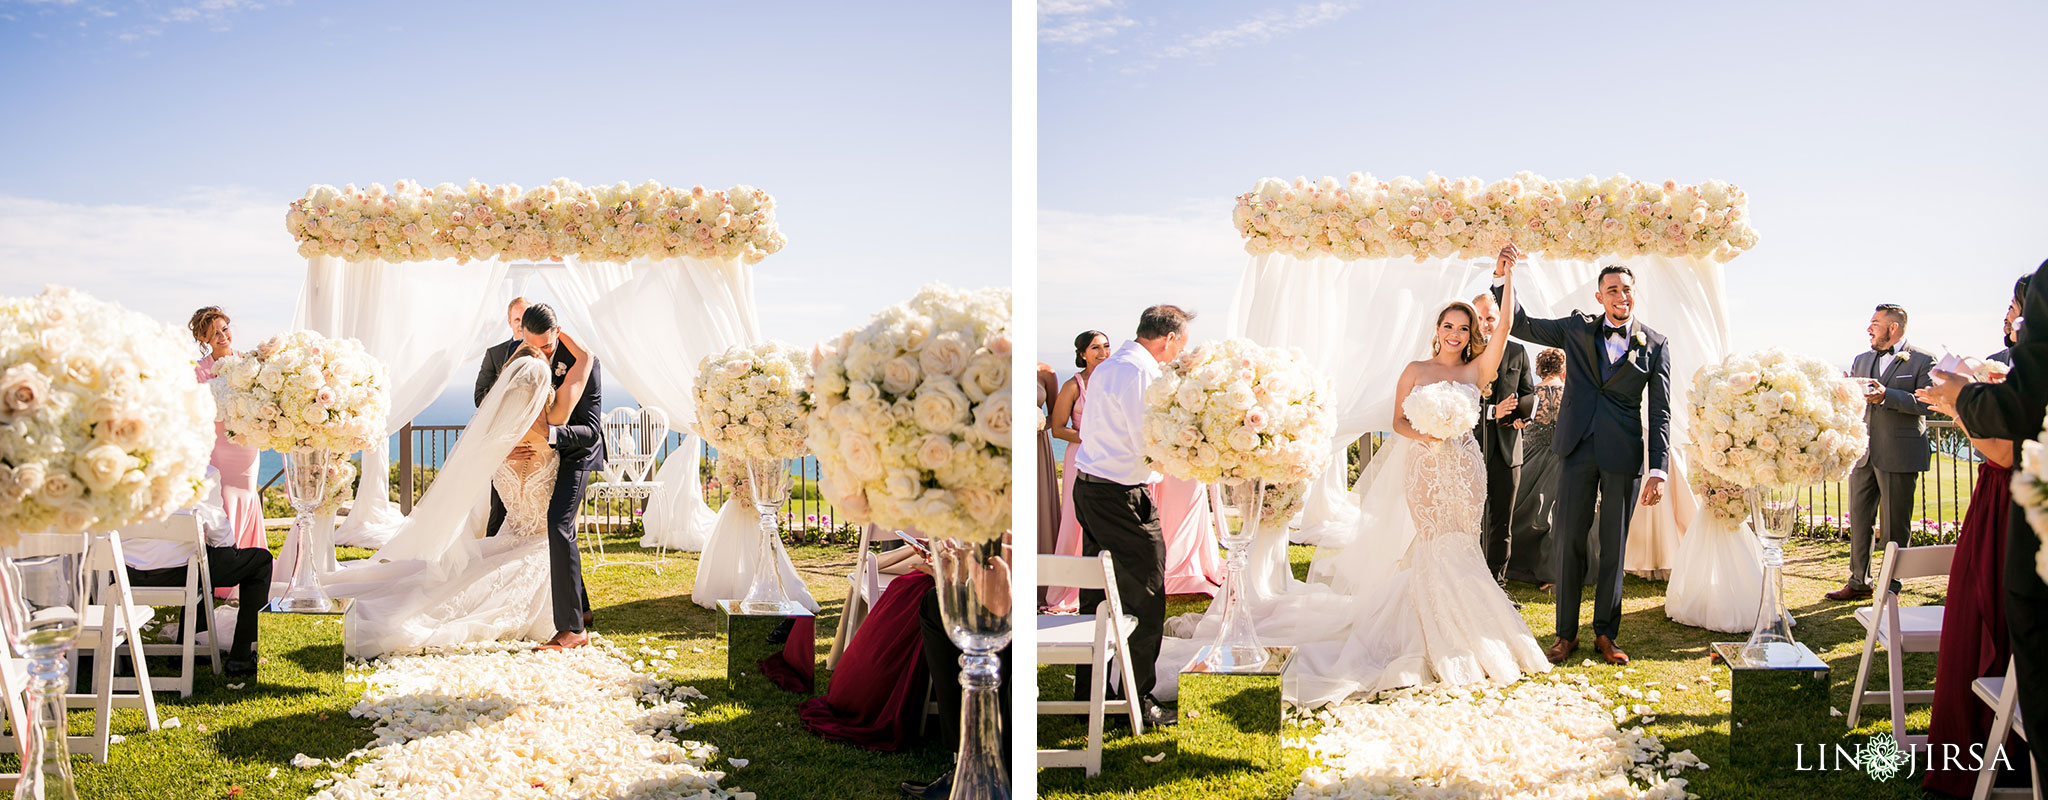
(1882, 484)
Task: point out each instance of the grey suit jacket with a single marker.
(1898, 435)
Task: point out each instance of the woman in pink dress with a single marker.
(1194, 561)
(237, 463)
(1090, 348)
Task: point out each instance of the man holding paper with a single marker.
(1881, 487)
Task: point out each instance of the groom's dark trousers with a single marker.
(1580, 483)
(581, 445)
(1122, 521)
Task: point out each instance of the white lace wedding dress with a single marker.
(439, 582)
(1408, 599)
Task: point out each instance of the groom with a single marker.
(1611, 360)
(581, 446)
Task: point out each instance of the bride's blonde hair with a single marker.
(1475, 342)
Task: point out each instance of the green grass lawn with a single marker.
(230, 740)
(1663, 651)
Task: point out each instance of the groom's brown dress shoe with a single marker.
(1848, 593)
(1609, 651)
(1561, 650)
(565, 640)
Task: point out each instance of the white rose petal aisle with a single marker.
(101, 425)
(1256, 420)
(752, 408)
(1770, 422)
(501, 719)
(912, 430)
(312, 399)
(1555, 739)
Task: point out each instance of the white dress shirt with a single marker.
(1884, 362)
(1112, 446)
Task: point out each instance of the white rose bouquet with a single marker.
(751, 402)
(1232, 410)
(1445, 409)
(303, 391)
(1776, 420)
(102, 420)
(913, 415)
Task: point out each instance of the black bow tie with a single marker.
(1613, 331)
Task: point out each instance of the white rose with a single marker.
(23, 391)
(940, 406)
(985, 376)
(74, 518)
(945, 354)
(863, 458)
(992, 419)
(900, 375)
(982, 505)
(102, 467)
(934, 451)
(58, 488)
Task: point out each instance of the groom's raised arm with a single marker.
(1547, 332)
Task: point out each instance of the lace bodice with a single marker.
(1446, 485)
(526, 495)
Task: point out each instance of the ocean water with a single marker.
(455, 407)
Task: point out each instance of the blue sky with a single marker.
(153, 146)
(1892, 152)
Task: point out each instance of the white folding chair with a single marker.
(632, 439)
(195, 598)
(1098, 640)
(864, 586)
(13, 678)
(108, 626)
(1899, 630)
(2002, 694)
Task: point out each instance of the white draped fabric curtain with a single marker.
(650, 322)
(1360, 322)
(404, 317)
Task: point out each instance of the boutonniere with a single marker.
(561, 369)
(1641, 340)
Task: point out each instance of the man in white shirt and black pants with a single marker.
(1111, 498)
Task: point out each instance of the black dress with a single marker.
(1530, 557)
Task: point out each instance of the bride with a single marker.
(1430, 613)
(439, 582)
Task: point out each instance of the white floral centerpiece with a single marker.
(1725, 501)
(303, 391)
(615, 223)
(1776, 420)
(102, 421)
(1233, 410)
(1362, 217)
(751, 401)
(913, 419)
(1445, 409)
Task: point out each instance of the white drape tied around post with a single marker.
(422, 320)
(650, 322)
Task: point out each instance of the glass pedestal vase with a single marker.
(1773, 513)
(768, 480)
(1237, 647)
(305, 482)
(973, 584)
(47, 593)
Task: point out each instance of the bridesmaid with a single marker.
(1973, 633)
(237, 463)
(1529, 547)
(1090, 348)
(876, 696)
(1048, 475)
(1194, 560)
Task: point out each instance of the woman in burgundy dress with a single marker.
(876, 697)
(1973, 637)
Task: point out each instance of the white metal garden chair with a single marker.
(632, 438)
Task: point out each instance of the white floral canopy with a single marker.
(651, 278)
(1352, 271)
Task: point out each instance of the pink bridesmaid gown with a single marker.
(237, 465)
(1067, 599)
(1194, 561)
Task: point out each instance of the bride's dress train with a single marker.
(1405, 600)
